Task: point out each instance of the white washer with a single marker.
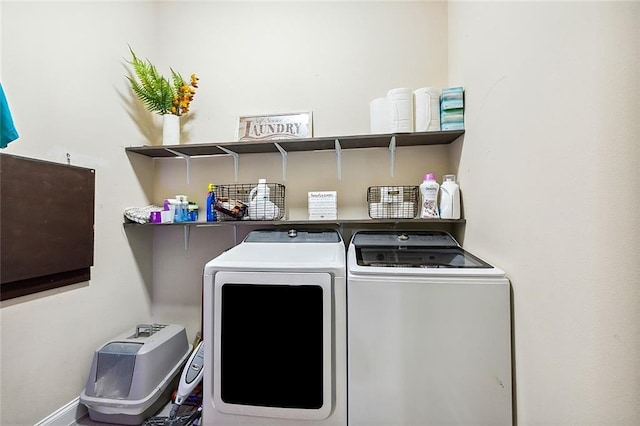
(429, 333)
(275, 312)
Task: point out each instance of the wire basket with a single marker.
(392, 202)
(241, 202)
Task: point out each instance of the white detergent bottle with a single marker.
(259, 204)
(449, 198)
(429, 191)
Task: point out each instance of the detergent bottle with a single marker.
(212, 216)
(449, 198)
(260, 207)
(184, 208)
(429, 191)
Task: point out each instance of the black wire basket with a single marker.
(241, 202)
(392, 202)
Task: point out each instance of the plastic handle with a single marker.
(191, 374)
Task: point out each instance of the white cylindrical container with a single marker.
(379, 116)
(449, 198)
(429, 192)
(426, 108)
(400, 109)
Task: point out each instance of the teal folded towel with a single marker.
(8, 132)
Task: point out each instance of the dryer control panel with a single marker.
(293, 236)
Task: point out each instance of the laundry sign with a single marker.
(273, 127)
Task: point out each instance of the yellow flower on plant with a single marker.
(160, 94)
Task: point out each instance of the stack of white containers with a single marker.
(393, 113)
(406, 110)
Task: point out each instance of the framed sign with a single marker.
(276, 126)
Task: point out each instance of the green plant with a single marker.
(158, 93)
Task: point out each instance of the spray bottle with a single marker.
(449, 198)
(212, 216)
(429, 191)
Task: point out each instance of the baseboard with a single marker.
(65, 416)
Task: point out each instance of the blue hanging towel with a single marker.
(8, 132)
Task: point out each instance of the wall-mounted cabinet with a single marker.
(46, 227)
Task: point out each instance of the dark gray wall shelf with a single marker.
(293, 223)
(346, 227)
(293, 145)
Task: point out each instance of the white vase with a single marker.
(170, 129)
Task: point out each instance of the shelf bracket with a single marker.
(392, 154)
(187, 159)
(236, 158)
(187, 233)
(338, 158)
(283, 153)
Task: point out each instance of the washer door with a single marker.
(273, 344)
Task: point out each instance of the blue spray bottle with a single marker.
(211, 202)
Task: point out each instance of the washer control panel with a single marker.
(400, 238)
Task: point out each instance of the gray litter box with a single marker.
(132, 376)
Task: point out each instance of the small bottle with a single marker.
(174, 207)
(429, 191)
(184, 208)
(181, 208)
(193, 211)
(449, 198)
(212, 216)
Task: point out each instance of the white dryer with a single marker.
(429, 333)
(275, 312)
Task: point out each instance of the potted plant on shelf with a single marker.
(169, 98)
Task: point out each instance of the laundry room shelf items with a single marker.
(244, 202)
(393, 202)
(389, 141)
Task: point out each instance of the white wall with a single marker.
(549, 170)
(63, 72)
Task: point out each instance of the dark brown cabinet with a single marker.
(46, 225)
